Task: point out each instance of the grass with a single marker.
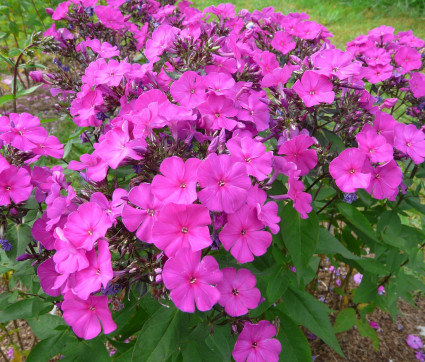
(346, 19)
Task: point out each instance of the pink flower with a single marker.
(314, 89)
(86, 225)
(219, 111)
(99, 272)
(225, 183)
(243, 235)
(385, 180)
(296, 151)
(238, 292)
(384, 124)
(112, 73)
(105, 50)
(15, 183)
(61, 11)
(47, 146)
(178, 180)
(192, 280)
(162, 37)
(256, 343)
(414, 342)
(110, 17)
(182, 226)
(267, 61)
(378, 73)
(283, 42)
(20, 129)
(408, 58)
(219, 83)
(358, 278)
(95, 166)
(347, 170)
(278, 76)
(417, 84)
(374, 324)
(256, 111)
(48, 276)
(302, 200)
(117, 145)
(335, 62)
(253, 154)
(189, 90)
(374, 146)
(411, 141)
(86, 316)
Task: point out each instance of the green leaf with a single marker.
(345, 320)
(44, 326)
(222, 342)
(309, 312)
(160, 335)
(277, 284)
(300, 237)
(295, 347)
(19, 310)
(6, 98)
(329, 244)
(19, 235)
(50, 347)
(27, 91)
(356, 218)
(366, 330)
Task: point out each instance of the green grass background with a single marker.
(346, 19)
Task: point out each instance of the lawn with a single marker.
(346, 19)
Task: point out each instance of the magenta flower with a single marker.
(219, 111)
(408, 58)
(283, 41)
(15, 183)
(253, 155)
(86, 316)
(225, 183)
(378, 73)
(142, 219)
(48, 277)
(99, 272)
(20, 129)
(189, 90)
(279, 76)
(256, 111)
(117, 145)
(113, 208)
(220, 83)
(384, 124)
(347, 170)
(335, 62)
(385, 180)
(411, 141)
(243, 235)
(302, 200)
(256, 343)
(178, 180)
(112, 73)
(162, 37)
(238, 292)
(110, 17)
(182, 226)
(414, 342)
(86, 225)
(357, 278)
(374, 146)
(192, 280)
(314, 89)
(417, 84)
(95, 167)
(68, 258)
(297, 151)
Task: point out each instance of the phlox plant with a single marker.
(220, 162)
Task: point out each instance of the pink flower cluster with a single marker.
(203, 119)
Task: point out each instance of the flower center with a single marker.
(235, 292)
(377, 176)
(217, 115)
(254, 344)
(248, 159)
(150, 212)
(192, 280)
(243, 232)
(371, 150)
(98, 271)
(192, 91)
(8, 188)
(90, 232)
(221, 183)
(184, 230)
(183, 185)
(92, 308)
(408, 144)
(352, 171)
(312, 92)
